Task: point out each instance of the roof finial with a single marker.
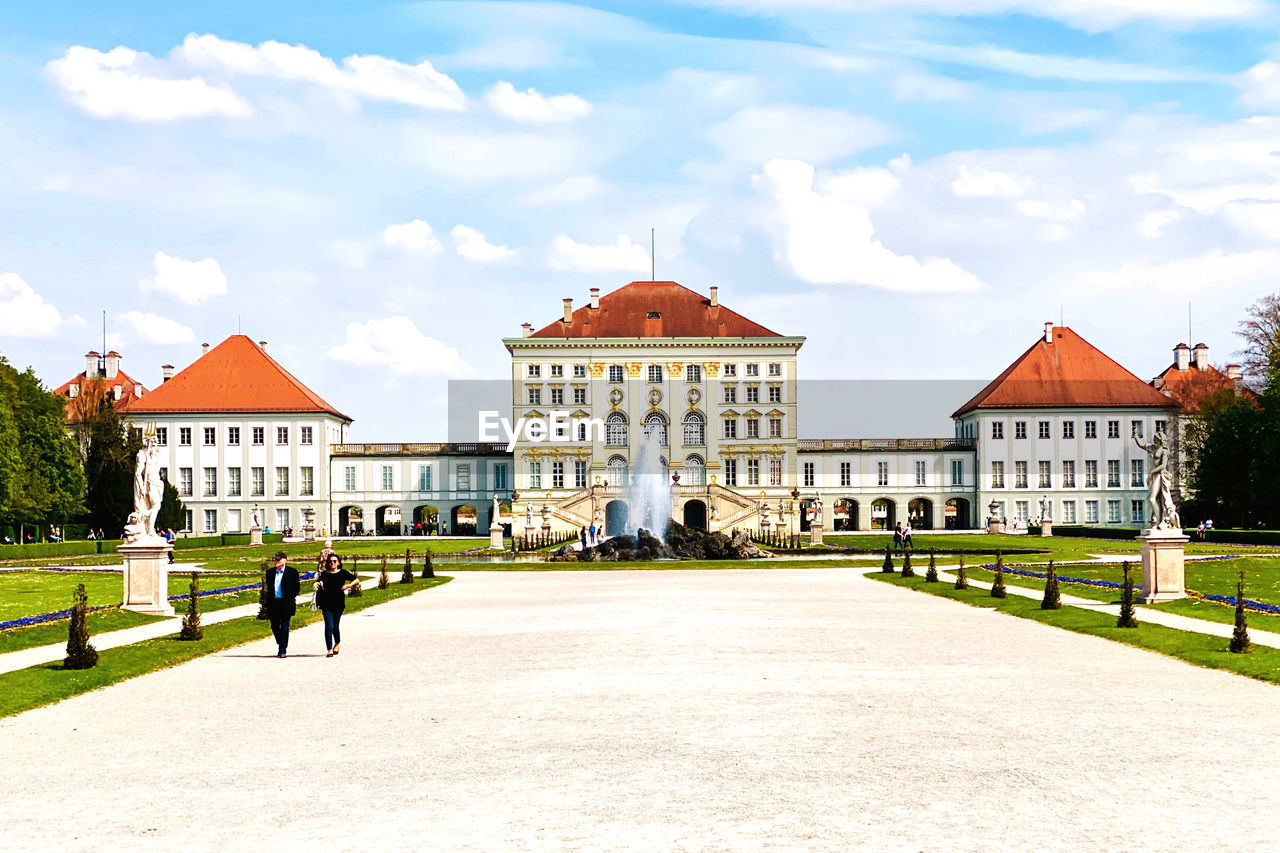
(653, 259)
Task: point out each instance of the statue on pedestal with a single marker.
(148, 491)
(1044, 509)
(1164, 512)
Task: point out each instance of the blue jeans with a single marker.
(331, 635)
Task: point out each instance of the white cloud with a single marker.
(155, 329)
(396, 343)
(623, 256)
(571, 190)
(1043, 66)
(826, 240)
(980, 183)
(1260, 85)
(470, 243)
(374, 77)
(1187, 276)
(23, 312)
(815, 134)
(126, 84)
(930, 87)
(411, 235)
(532, 106)
(189, 282)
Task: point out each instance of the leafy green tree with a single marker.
(172, 509)
(191, 627)
(931, 574)
(1128, 613)
(1052, 597)
(1240, 642)
(80, 652)
(997, 585)
(962, 579)
(110, 461)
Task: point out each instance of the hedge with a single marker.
(1240, 537)
(78, 548)
(1080, 531)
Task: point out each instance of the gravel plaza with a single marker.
(807, 709)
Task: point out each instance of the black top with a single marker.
(331, 583)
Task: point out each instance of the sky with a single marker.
(382, 191)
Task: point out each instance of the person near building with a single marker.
(331, 598)
(283, 590)
(897, 537)
(906, 538)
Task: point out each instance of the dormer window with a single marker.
(654, 315)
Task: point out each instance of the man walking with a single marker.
(284, 588)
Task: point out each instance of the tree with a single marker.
(1128, 617)
(407, 575)
(907, 571)
(80, 652)
(1231, 467)
(383, 581)
(962, 579)
(1260, 357)
(931, 574)
(191, 627)
(888, 561)
(264, 600)
(997, 585)
(1052, 598)
(172, 512)
(110, 460)
(1240, 643)
(427, 570)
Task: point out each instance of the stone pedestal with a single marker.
(255, 535)
(146, 577)
(1046, 528)
(815, 534)
(1163, 571)
(993, 526)
(495, 536)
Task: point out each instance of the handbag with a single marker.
(315, 596)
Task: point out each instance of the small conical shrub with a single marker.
(887, 568)
(356, 590)
(191, 627)
(80, 652)
(1128, 613)
(907, 571)
(931, 574)
(407, 575)
(1052, 598)
(427, 570)
(1240, 643)
(997, 585)
(264, 600)
(962, 579)
(384, 582)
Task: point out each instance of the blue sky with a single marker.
(382, 191)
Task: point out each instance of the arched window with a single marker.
(615, 430)
(695, 470)
(655, 423)
(695, 429)
(582, 431)
(617, 471)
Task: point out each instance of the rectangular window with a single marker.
(186, 520)
(753, 370)
(753, 427)
(535, 371)
(282, 435)
(615, 373)
(233, 436)
(535, 475)
(500, 478)
(775, 472)
(1068, 429)
(775, 427)
(258, 476)
(882, 473)
(233, 482)
(655, 373)
(259, 436)
(731, 393)
(753, 472)
(1090, 512)
(349, 478)
(775, 393)
(305, 435)
(808, 474)
(557, 396)
(535, 396)
(1137, 476)
(557, 474)
(282, 519)
(579, 371)
(464, 477)
(731, 370)
(579, 396)
(1068, 474)
(731, 472)
(997, 475)
(388, 477)
(730, 427)
(1136, 510)
(1113, 429)
(1135, 428)
(1019, 429)
(1019, 475)
(557, 370)
(846, 473)
(210, 435)
(1113, 512)
(210, 482)
(1068, 512)
(1160, 425)
(185, 482)
(957, 472)
(282, 481)
(162, 436)
(997, 429)
(921, 471)
(1046, 475)
(1021, 510)
(579, 473)
(1091, 473)
(1090, 429)
(184, 436)
(753, 393)
(775, 369)
(210, 521)
(693, 373)
(424, 478)
(307, 481)
(1113, 473)
(1043, 427)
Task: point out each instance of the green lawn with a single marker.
(1200, 649)
(47, 683)
(30, 593)
(1053, 547)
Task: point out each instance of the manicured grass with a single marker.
(664, 565)
(1055, 547)
(41, 685)
(30, 593)
(304, 555)
(47, 633)
(1262, 663)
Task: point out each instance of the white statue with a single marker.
(256, 523)
(148, 490)
(1164, 512)
(528, 515)
(1044, 508)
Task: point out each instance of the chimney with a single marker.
(526, 330)
(1048, 333)
(91, 364)
(137, 390)
(1182, 356)
(73, 391)
(166, 371)
(119, 392)
(715, 296)
(112, 369)
(568, 310)
(1200, 356)
(204, 349)
(263, 345)
(1233, 371)
(595, 297)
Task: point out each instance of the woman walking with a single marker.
(331, 598)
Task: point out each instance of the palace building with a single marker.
(656, 368)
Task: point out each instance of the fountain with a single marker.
(649, 493)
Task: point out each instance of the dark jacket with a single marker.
(289, 589)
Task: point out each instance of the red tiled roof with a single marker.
(235, 376)
(1187, 388)
(682, 313)
(1064, 372)
(91, 388)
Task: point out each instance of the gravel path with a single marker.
(726, 710)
